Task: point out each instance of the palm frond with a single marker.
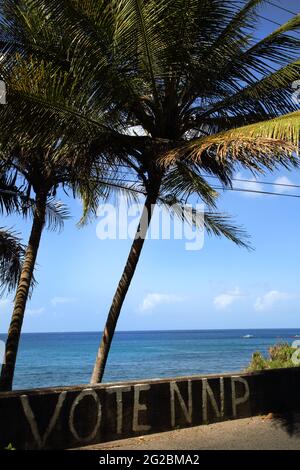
(214, 223)
(56, 214)
(143, 17)
(100, 190)
(262, 144)
(14, 195)
(183, 181)
(9, 194)
(279, 48)
(88, 72)
(269, 97)
(220, 225)
(11, 258)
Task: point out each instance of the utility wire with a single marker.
(281, 8)
(276, 22)
(240, 180)
(221, 188)
(256, 191)
(270, 21)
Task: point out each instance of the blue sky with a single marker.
(220, 286)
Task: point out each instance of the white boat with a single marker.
(248, 336)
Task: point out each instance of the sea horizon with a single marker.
(50, 359)
(158, 330)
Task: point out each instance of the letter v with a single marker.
(41, 440)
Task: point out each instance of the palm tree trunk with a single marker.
(123, 286)
(14, 333)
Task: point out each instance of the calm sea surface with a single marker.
(50, 359)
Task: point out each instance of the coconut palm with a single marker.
(41, 170)
(34, 168)
(13, 254)
(176, 186)
(174, 89)
(41, 158)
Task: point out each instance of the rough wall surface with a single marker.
(55, 418)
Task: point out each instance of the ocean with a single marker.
(52, 359)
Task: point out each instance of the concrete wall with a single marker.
(65, 417)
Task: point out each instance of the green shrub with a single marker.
(280, 355)
(9, 447)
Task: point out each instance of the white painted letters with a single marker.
(207, 392)
(41, 440)
(238, 401)
(119, 390)
(187, 409)
(81, 396)
(134, 408)
(137, 407)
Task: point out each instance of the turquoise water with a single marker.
(51, 359)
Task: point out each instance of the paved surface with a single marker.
(261, 433)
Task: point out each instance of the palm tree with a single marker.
(12, 251)
(34, 167)
(41, 162)
(173, 89)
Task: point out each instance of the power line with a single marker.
(276, 22)
(124, 174)
(281, 8)
(277, 6)
(285, 185)
(269, 193)
(240, 180)
(270, 21)
(221, 188)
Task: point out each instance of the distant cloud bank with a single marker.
(223, 301)
(63, 300)
(152, 300)
(268, 300)
(262, 302)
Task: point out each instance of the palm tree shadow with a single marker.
(288, 421)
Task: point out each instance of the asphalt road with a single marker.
(259, 433)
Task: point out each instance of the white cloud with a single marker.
(266, 301)
(35, 312)
(283, 180)
(63, 300)
(249, 185)
(152, 300)
(223, 301)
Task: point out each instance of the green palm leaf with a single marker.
(269, 142)
(11, 258)
(217, 224)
